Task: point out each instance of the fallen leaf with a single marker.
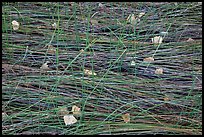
(45, 67)
(69, 119)
(149, 59)
(89, 72)
(131, 19)
(157, 39)
(126, 117)
(159, 71)
(15, 25)
(133, 63)
(141, 14)
(190, 39)
(76, 110)
(54, 25)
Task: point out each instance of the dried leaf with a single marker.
(15, 25)
(157, 39)
(159, 71)
(54, 25)
(141, 14)
(45, 67)
(149, 59)
(69, 119)
(89, 72)
(190, 39)
(133, 63)
(126, 117)
(131, 19)
(76, 110)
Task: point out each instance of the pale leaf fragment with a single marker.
(76, 110)
(133, 63)
(54, 25)
(89, 72)
(149, 59)
(131, 18)
(69, 119)
(141, 14)
(15, 25)
(159, 71)
(157, 39)
(45, 67)
(126, 117)
(190, 39)
(81, 50)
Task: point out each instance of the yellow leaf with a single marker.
(69, 120)
(15, 25)
(76, 110)
(157, 39)
(126, 117)
(149, 59)
(159, 71)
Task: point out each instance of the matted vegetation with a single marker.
(90, 56)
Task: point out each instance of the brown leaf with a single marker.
(54, 25)
(190, 39)
(133, 63)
